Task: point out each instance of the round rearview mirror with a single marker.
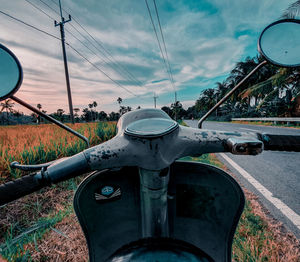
(279, 43)
(11, 74)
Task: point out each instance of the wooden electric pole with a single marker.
(62, 33)
(175, 105)
(155, 97)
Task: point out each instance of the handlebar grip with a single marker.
(18, 188)
(281, 142)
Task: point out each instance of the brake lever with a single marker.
(37, 167)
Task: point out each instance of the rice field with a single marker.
(34, 144)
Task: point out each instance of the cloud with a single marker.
(204, 40)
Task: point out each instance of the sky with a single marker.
(204, 40)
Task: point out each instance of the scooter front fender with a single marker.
(204, 206)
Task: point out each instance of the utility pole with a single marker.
(216, 103)
(62, 33)
(175, 105)
(155, 97)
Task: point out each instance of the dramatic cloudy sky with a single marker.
(204, 40)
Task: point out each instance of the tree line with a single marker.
(88, 114)
(270, 92)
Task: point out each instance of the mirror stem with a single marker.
(230, 93)
(51, 119)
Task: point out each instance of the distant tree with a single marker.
(177, 110)
(206, 100)
(39, 106)
(124, 109)
(113, 116)
(17, 114)
(76, 115)
(94, 112)
(60, 113)
(168, 110)
(7, 105)
(119, 100)
(191, 112)
(102, 116)
(34, 117)
(87, 116)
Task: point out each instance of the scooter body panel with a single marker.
(204, 206)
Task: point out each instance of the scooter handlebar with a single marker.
(18, 188)
(60, 170)
(280, 142)
(151, 154)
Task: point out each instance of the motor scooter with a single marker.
(141, 202)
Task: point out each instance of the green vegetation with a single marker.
(13, 249)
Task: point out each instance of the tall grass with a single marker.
(39, 144)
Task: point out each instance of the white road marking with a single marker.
(249, 129)
(285, 210)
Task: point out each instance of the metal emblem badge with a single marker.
(108, 193)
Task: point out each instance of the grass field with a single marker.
(43, 227)
(33, 144)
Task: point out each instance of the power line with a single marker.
(57, 38)
(161, 51)
(117, 68)
(31, 26)
(39, 9)
(50, 7)
(36, 7)
(95, 66)
(110, 55)
(106, 53)
(162, 36)
(52, 18)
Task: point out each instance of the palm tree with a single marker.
(222, 89)
(39, 106)
(86, 114)
(206, 100)
(7, 105)
(292, 11)
(94, 112)
(119, 100)
(60, 113)
(76, 110)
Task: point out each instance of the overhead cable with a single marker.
(105, 53)
(95, 66)
(44, 32)
(161, 51)
(162, 36)
(31, 26)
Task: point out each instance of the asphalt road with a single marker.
(274, 176)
